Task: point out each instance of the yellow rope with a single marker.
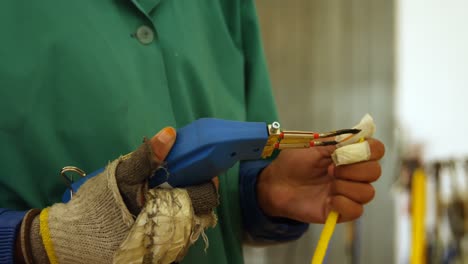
(45, 234)
(418, 211)
(325, 237)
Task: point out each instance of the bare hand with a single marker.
(304, 184)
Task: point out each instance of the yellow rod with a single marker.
(325, 237)
(418, 212)
(326, 234)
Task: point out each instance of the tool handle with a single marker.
(204, 149)
(208, 147)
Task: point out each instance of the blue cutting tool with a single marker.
(209, 146)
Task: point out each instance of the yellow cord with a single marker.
(45, 234)
(326, 234)
(325, 237)
(418, 211)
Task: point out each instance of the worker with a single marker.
(82, 83)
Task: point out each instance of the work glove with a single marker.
(93, 225)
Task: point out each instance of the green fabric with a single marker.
(78, 88)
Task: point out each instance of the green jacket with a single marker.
(82, 82)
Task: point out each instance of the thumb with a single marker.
(162, 142)
(325, 152)
(133, 171)
(136, 167)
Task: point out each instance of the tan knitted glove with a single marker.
(92, 226)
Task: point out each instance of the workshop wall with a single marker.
(432, 74)
(431, 92)
(331, 61)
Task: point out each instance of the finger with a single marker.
(348, 209)
(368, 171)
(325, 155)
(371, 149)
(138, 165)
(215, 181)
(326, 151)
(162, 142)
(361, 193)
(204, 197)
(135, 168)
(377, 149)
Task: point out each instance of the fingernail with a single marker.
(167, 135)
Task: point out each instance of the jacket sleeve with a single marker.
(10, 222)
(261, 108)
(259, 227)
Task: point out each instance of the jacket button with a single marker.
(145, 35)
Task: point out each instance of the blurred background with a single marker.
(405, 63)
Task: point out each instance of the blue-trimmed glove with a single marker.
(94, 223)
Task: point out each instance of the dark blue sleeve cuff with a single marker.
(10, 221)
(259, 226)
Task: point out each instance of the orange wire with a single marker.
(347, 138)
